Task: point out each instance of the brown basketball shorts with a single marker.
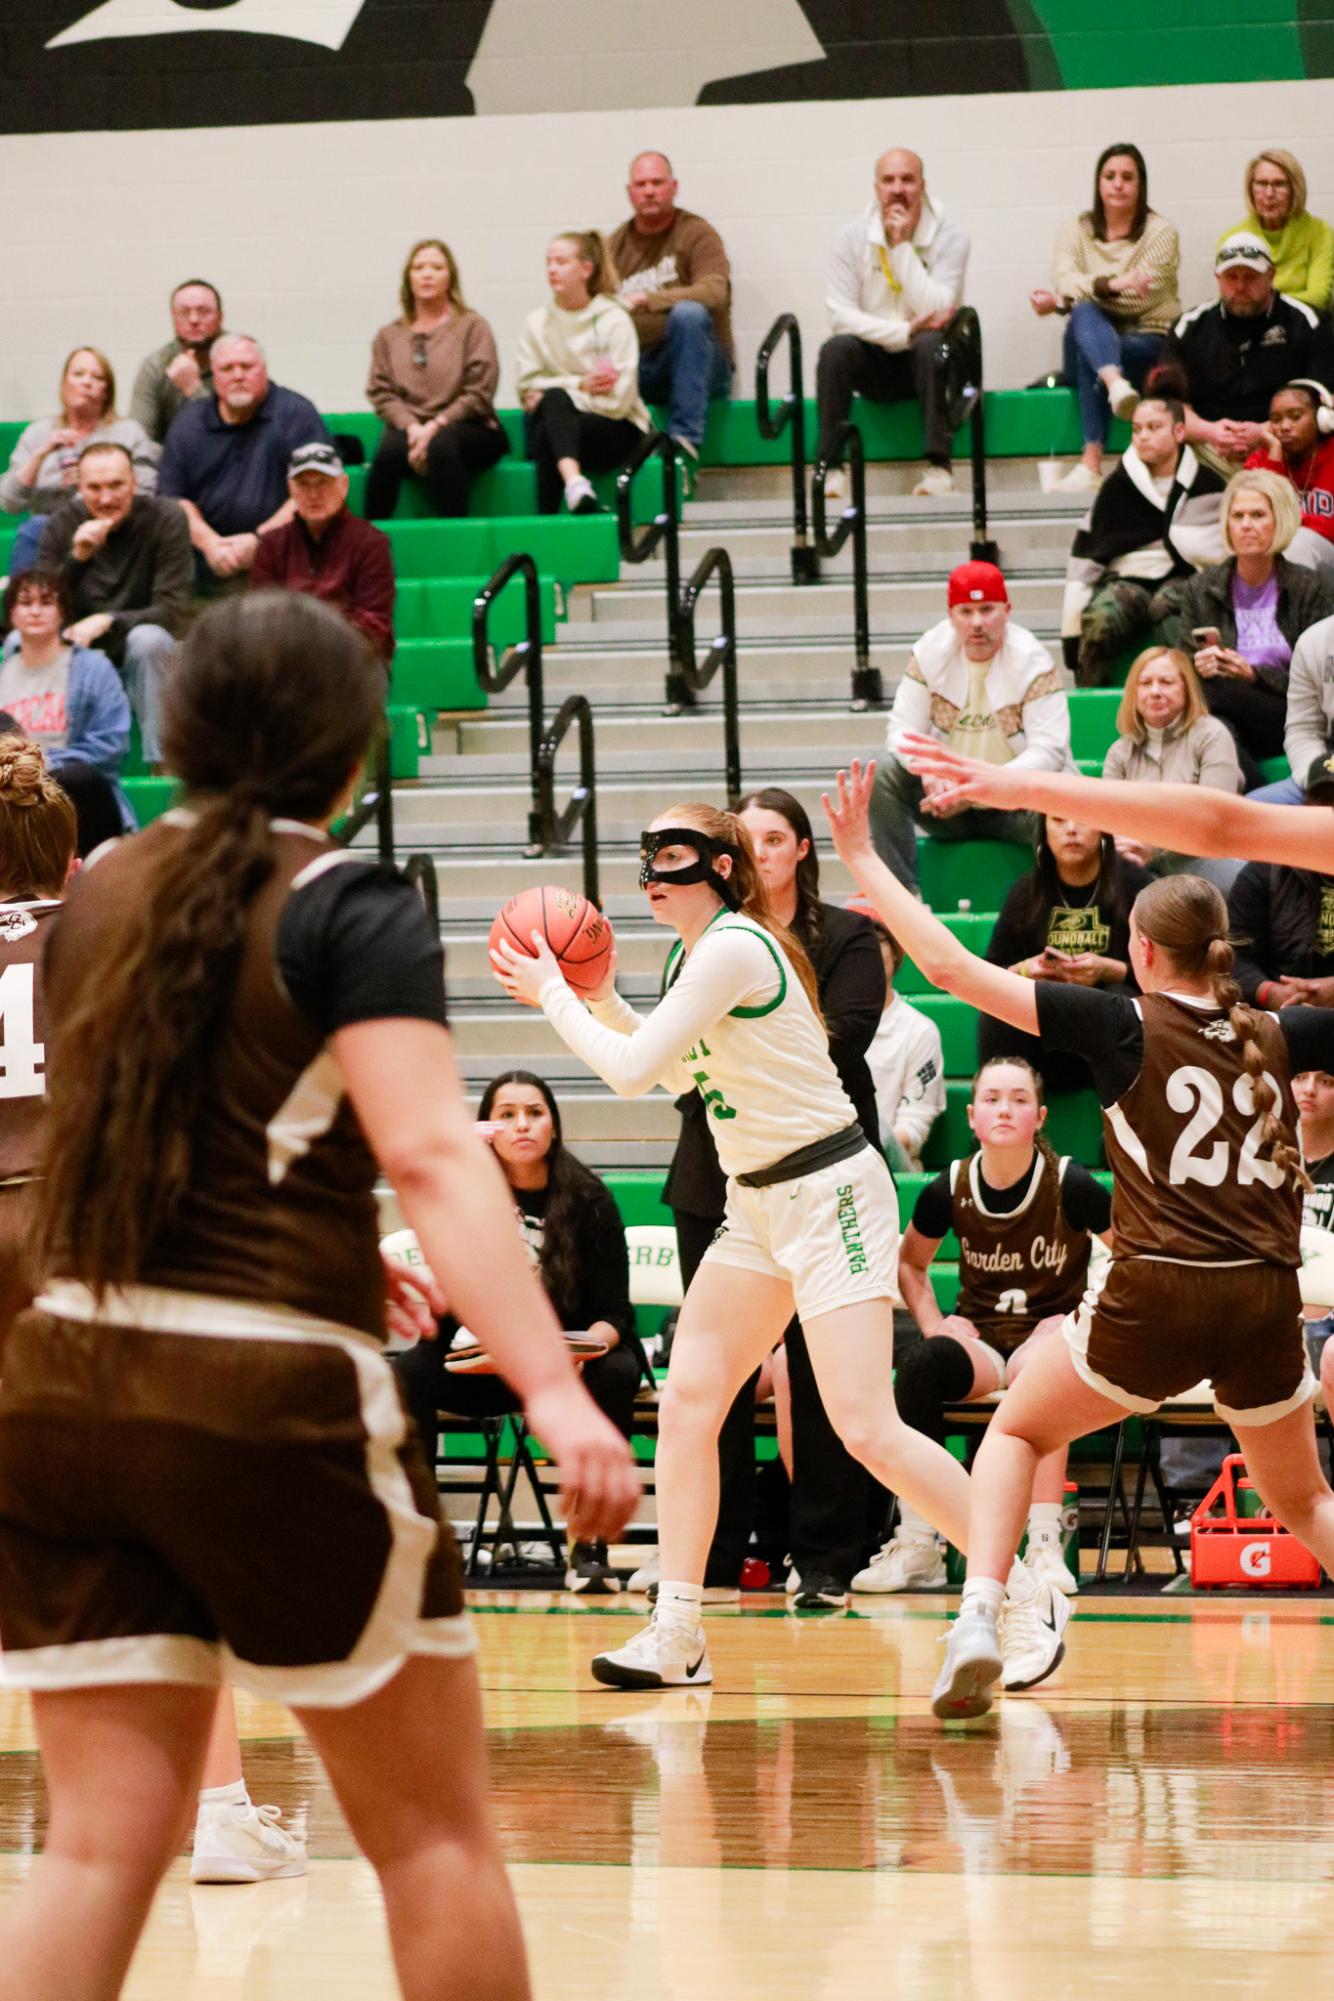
(177, 1500)
(1157, 1329)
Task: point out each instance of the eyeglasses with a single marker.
(1279, 187)
(419, 350)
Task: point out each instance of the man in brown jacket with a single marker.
(676, 284)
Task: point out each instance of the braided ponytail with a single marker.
(1245, 1024)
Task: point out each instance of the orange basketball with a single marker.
(577, 932)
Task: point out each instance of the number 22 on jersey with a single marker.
(22, 1057)
(1198, 1091)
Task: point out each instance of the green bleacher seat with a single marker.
(441, 608)
(1074, 1126)
(437, 674)
(150, 797)
(972, 927)
(409, 739)
(638, 1193)
(580, 549)
(957, 1022)
(1093, 722)
(979, 871)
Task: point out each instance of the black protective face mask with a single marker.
(701, 870)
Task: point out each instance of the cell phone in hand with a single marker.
(1206, 635)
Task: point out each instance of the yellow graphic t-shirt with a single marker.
(975, 731)
(1324, 930)
(1073, 930)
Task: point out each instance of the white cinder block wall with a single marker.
(305, 227)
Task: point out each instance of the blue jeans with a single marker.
(1093, 342)
(685, 370)
(1283, 792)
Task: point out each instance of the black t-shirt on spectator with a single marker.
(1077, 921)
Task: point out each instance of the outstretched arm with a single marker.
(1192, 819)
(938, 953)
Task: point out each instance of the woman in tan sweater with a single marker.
(1115, 275)
(433, 379)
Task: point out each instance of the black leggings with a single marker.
(1256, 714)
(612, 1380)
(558, 429)
(454, 458)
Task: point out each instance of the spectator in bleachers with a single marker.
(126, 561)
(983, 684)
(433, 381)
(1313, 1095)
(1159, 515)
(1282, 922)
(1301, 246)
(182, 370)
(578, 375)
(1166, 736)
(1308, 726)
(907, 1065)
(66, 697)
(1068, 919)
(1226, 358)
(1240, 619)
(327, 551)
(572, 1231)
(1301, 418)
(226, 458)
(895, 283)
(676, 284)
(44, 463)
(1114, 272)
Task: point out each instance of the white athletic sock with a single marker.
(1044, 1522)
(1021, 1585)
(984, 1596)
(914, 1527)
(679, 1605)
(216, 1796)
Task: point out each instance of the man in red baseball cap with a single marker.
(983, 684)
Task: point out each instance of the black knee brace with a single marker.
(929, 1375)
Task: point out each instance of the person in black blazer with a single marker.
(834, 1499)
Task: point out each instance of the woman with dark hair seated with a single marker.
(70, 700)
(572, 1230)
(1068, 919)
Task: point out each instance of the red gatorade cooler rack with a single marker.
(1244, 1545)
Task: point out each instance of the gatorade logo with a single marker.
(1256, 1558)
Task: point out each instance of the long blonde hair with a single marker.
(750, 887)
(1186, 918)
(1129, 722)
(592, 248)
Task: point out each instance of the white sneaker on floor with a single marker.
(245, 1844)
(1047, 1561)
(792, 1582)
(836, 485)
(972, 1668)
(1123, 397)
(935, 484)
(1079, 479)
(658, 1657)
(1032, 1637)
(904, 1563)
(649, 1572)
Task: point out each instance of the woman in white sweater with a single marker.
(578, 375)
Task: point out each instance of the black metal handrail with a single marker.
(662, 532)
(419, 870)
(961, 358)
(722, 653)
(866, 683)
(376, 802)
(581, 808)
(791, 413)
(523, 657)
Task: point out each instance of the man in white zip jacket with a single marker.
(895, 283)
(990, 689)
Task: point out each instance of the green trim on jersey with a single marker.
(672, 969)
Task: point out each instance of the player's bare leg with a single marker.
(122, 1768)
(1284, 1465)
(409, 1768)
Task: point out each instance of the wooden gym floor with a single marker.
(1159, 1820)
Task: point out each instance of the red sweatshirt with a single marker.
(1314, 484)
(351, 568)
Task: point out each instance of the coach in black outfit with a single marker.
(834, 1499)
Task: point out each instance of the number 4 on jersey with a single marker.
(22, 1057)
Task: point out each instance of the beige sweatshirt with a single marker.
(1081, 258)
(558, 348)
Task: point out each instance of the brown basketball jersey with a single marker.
(24, 928)
(1016, 1269)
(280, 1208)
(1184, 1141)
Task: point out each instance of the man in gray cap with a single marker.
(1225, 359)
(328, 551)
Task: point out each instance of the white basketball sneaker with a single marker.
(1032, 1637)
(904, 1563)
(1047, 1562)
(647, 1574)
(973, 1664)
(245, 1844)
(658, 1657)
